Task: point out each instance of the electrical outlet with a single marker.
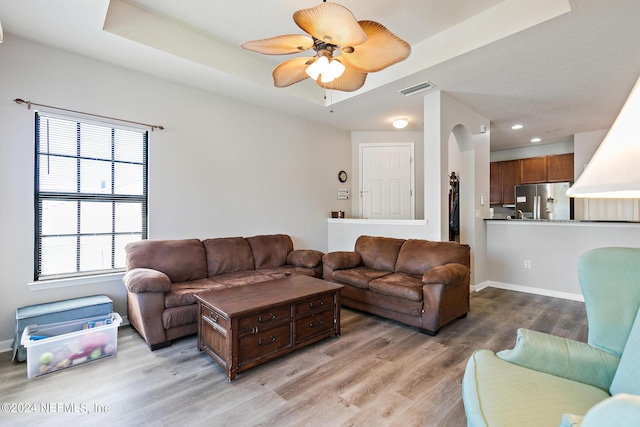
(527, 263)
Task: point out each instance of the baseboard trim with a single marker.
(528, 290)
(5, 345)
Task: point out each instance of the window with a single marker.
(90, 195)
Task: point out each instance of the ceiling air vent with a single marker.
(417, 88)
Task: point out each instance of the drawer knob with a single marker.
(214, 318)
(311, 325)
(271, 317)
(262, 343)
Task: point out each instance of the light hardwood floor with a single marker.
(377, 373)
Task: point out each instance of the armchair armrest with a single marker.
(307, 258)
(448, 274)
(342, 260)
(562, 357)
(140, 280)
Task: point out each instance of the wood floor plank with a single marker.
(377, 373)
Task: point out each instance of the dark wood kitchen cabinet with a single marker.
(560, 168)
(533, 170)
(510, 178)
(495, 183)
(504, 176)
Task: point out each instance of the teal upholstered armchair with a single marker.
(551, 381)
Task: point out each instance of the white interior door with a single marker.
(387, 181)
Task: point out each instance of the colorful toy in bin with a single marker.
(60, 345)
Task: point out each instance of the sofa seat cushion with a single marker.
(178, 316)
(241, 278)
(398, 285)
(286, 271)
(497, 392)
(184, 293)
(359, 277)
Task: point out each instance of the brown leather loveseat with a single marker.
(417, 282)
(164, 275)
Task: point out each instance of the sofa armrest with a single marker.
(140, 280)
(342, 260)
(306, 258)
(562, 357)
(448, 274)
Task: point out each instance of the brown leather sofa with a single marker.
(164, 275)
(417, 282)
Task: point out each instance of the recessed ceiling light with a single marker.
(400, 123)
(516, 127)
(536, 140)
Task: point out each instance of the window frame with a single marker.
(78, 197)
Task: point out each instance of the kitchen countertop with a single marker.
(563, 221)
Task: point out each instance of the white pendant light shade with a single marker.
(614, 169)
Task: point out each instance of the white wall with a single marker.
(552, 248)
(445, 116)
(221, 168)
(534, 151)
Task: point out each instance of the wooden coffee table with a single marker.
(248, 325)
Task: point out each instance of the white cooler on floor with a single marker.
(57, 346)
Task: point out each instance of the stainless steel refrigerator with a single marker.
(544, 201)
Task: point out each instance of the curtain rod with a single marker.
(29, 104)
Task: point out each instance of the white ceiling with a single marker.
(559, 67)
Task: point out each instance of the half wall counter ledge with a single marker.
(29, 104)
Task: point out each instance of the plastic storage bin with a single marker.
(57, 346)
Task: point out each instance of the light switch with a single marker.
(343, 193)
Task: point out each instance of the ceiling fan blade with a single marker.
(381, 50)
(331, 23)
(349, 81)
(280, 45)
(290, 72)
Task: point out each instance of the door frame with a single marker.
(412, 178)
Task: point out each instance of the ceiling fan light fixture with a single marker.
(327, 69)
(400, 123)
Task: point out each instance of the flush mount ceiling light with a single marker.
(516, 127)
(536, 139)
(613, 171)
(400, 123)
(361, 47)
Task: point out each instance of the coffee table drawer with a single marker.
(315, 303)
(214, 317)
(317, 323)
(265, 318)
(255, 346)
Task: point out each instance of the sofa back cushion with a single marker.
(379, 253)
(181, 260)
(418, 256)
(609, 280)
(228, 255)
(627, 377)
(270, 250)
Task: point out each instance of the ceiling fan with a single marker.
(361, 47)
